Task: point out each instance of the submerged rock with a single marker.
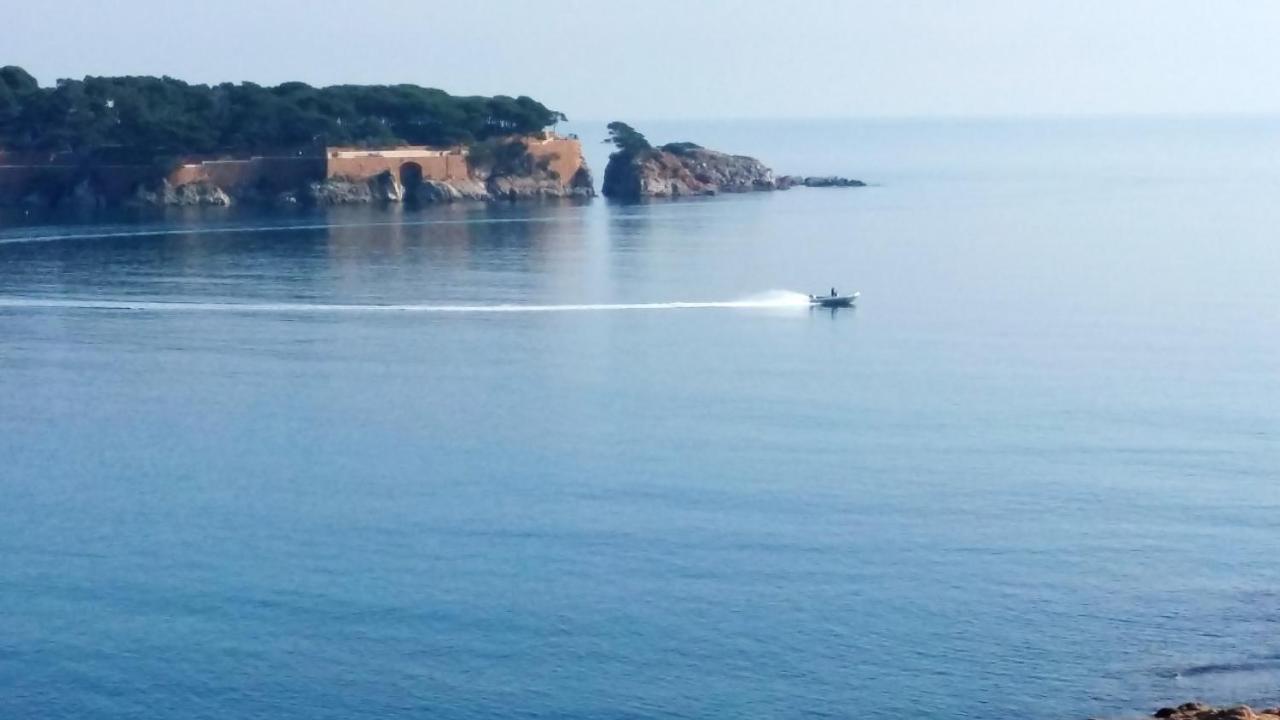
(1200, 711)
(786, 182)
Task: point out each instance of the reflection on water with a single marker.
(339, 253)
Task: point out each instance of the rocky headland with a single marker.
(511, 172)
(159, 141)
(639, 170)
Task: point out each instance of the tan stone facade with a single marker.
(444, 164)
(565, 153)
(270, 172)
(364, 163)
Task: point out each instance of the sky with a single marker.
(668, 59)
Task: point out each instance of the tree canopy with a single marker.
(154, 115)
(627, 139)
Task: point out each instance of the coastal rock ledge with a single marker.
(1200, 711)
(639, 170)
(786, 182)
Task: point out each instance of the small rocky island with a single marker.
(639, 170)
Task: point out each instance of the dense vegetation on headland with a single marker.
(153, 116)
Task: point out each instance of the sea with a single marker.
(597, 460)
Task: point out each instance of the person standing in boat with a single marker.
(833, 292)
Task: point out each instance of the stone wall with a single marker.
(275, 173)
(443, 164)
(566, 154)
(362, 163)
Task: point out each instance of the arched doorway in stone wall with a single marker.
(411, 178)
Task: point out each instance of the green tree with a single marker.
(19, 81)
(164, 116)
(627, 139)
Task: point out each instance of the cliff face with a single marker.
(694, 171)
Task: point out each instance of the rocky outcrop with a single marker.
(661, 172)
(540, 186)
(188, 195)
(686, 169)
(345, 191)
(1200, 711)
(440, 191)
(786, 182)
(338, 191)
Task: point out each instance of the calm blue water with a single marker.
(1033, 475)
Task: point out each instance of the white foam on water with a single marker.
(772, 299)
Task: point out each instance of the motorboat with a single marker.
(833, 300)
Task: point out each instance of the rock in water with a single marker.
(339, 191)
(386, 187)
(1200, 711)
(789, 181)
(659, 172)
(679, 169)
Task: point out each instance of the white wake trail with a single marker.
(773, 299)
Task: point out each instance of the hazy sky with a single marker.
(696, 58)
